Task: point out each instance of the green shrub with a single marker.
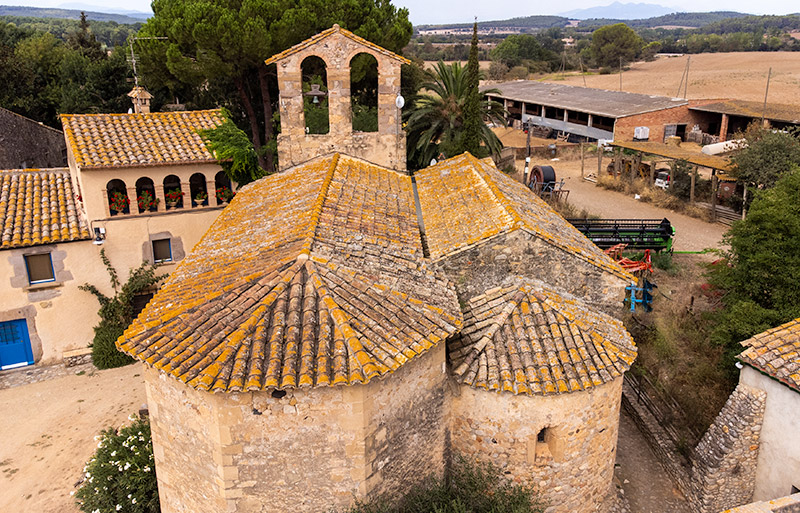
(116, 312)
(121, 476)
(470, 487)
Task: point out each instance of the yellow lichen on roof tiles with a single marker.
(776, 352)
(125, 140)
(465, 201)
(327, 33)
(39, 207)
(309, 278)
(526, 338)
(458, 207)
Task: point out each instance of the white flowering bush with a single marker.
(121, 476)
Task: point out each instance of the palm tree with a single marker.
(435, 121)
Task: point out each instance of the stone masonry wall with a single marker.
(487, 265)
(186, 446)
(407, 419)
(302, 451)
(724, 469)
(386, 147)
(572, 468)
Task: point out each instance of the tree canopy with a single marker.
(759, 274)
(614, 42)
(516, 48)
(435, 118)
(768, 155)
(220, 48)
(472, 105)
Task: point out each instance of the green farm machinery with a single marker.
(636, 234)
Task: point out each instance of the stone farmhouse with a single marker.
(25, 143)
(344, 330)
(55, 221)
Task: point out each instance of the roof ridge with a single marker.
(316, 38)
(496, 323)
(316, 210)
(120, 114)
(502, 201)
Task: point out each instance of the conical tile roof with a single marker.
(529, 339)
(313, 277)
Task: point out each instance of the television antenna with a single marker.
(132, 58)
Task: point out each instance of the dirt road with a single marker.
(690, 234)
(48, 431)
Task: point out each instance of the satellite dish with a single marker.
(399, 101)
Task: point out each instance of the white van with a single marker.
(662, 180)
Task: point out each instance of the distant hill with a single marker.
(680, 19)
(527, 22)
(80, 6)
(72, 14)
(620, 11)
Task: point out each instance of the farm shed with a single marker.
(591, 114)
(726, 117)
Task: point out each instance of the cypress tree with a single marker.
(472, 107)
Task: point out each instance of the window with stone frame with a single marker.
(162, 251)
(40, 268)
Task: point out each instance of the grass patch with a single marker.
(470, 487)
(653, 195)
(676, 352)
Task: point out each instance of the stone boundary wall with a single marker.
(723, 465)
(723, 474)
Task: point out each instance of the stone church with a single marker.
(343, 329)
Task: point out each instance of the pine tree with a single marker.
(472, 108)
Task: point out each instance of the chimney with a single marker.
(141, 100)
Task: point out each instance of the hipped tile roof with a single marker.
(39, 207)
(776, 352)
(312, 277)
(526, 338)
(127, 140)
(336, 29)
(465, 201)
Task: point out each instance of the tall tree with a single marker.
(613, 43)
(435, 120)
(472, 107)
(224, 44)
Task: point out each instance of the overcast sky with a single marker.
(451, 11)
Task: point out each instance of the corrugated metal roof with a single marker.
(773, 112)
(613, 104)
(676, 152)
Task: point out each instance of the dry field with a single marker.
(741, 75)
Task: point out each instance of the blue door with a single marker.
(15, 345)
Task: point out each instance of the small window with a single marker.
(40, 268)
(540, 438)
(162, 251)
(795, 490)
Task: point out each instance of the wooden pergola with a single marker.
(672, 152)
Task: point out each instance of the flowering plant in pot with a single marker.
(224, 194)
(119, 202)
(147, 201)
(173, 197)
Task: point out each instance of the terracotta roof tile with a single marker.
(125, 140)
(526, 338)
(39, 207)
(465, 200)
(776, 352)
(326, 34)
(311, 277)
